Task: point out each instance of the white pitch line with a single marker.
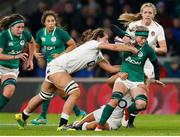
(12, 124)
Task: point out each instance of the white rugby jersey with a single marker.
(85, 55)
(156, 31)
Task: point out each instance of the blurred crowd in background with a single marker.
(78, 15)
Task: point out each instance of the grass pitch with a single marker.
(146, 125)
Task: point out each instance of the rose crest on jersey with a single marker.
(152, 33)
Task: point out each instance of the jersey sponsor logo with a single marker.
(10, 44)
(130, 60)
(22, 42)
(53, 39)
(13, 52)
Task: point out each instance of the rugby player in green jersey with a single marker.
(13, 40)
(51, 42)
(156, 37)
(134, 84)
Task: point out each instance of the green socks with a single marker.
(3, 101)
(108, 109)
(75, 108)
(132, 108)
(45, 106)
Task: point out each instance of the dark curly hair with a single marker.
(48, 13)
(91, 35)
(8, 20)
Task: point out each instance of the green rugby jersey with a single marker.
(134, 64)
(52, 43)
(13, 45)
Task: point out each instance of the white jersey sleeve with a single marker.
(160, 35)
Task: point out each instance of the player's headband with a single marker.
(142, 33)
(16, 22)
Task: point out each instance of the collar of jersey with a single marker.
(45, 31)
(11, 35)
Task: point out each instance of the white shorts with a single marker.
(114, 121)
(52, 68)
(129, 84)
(8, 71)
(149, 69)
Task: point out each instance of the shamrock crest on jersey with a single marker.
(53, 39)
(140, 54)
(22, 42)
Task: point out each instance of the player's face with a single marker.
(104, 39)
(147, 14)
(141, 40)
(50, 22)
(17, 29)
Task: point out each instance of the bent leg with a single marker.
(118, 90)
(63, 81)
(8, 85)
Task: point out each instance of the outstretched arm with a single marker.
(104, 64)
(118, 47)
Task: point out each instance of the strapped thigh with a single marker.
(117, 95)
(9, 81)
(71, 87)
(45, 96)
(141, 97)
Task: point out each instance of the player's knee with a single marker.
(72, 87)
(45, 95)
(9, 87)
(141, 102)
(8, 93)
(116, 97)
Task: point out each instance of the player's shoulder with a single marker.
(5, 34)
(148, 48)
(157, 25)
(40, 31)
(26, 32)
(135, 23)
(60, 30)
(91, 42)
